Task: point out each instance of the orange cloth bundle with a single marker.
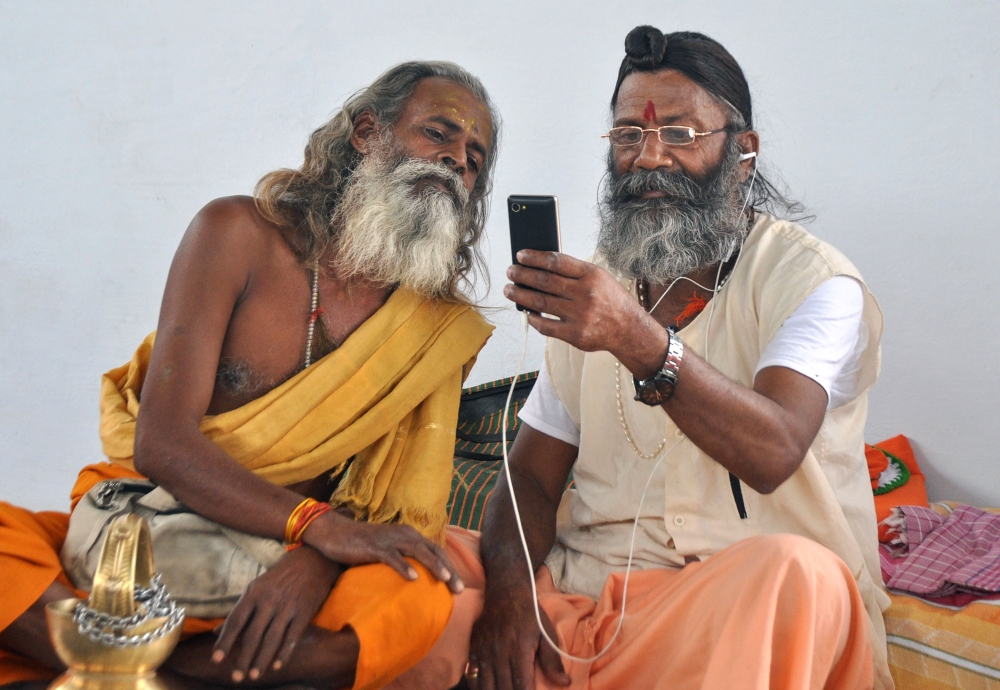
(912, 493)
(878, 462)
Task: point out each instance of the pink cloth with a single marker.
(935, 556)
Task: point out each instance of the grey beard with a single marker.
(660, 239)
(389, 234)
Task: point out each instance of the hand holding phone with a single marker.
(534, 224)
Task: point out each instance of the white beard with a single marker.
(390, 234)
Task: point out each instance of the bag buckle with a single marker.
(107, 494)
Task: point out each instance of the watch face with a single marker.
(655, 391)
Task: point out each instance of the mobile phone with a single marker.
(534, 224)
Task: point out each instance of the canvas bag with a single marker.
(205, 566)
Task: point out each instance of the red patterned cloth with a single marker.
(932, 555)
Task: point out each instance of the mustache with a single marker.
(691, 222)
(676, 187)
(412, 171)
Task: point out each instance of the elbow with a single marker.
(782, 462)
(144, 454)
(150, 452)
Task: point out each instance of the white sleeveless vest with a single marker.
(690, 507)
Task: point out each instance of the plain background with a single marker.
(119, 120)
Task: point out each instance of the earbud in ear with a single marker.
(747, 156)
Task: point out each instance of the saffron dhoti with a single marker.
(769, 612)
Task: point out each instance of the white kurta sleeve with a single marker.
(824, 339)
(544, 411)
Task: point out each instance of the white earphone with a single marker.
(642, 499)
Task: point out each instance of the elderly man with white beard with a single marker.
(301, 396)
(705, 380)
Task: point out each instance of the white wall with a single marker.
(119, 120)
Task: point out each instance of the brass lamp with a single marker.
(129, 625)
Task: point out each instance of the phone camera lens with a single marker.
(515, 207)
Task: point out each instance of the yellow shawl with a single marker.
(389, 396)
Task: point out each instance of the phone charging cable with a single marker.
(520, 527)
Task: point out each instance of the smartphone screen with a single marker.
(534, 224)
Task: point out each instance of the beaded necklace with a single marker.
(642, 294)
(315, 311)
(641, 287)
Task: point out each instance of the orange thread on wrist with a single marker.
(300, 519)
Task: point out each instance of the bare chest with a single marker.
(268, 335)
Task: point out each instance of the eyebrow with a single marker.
(453, 127)
(668, 120)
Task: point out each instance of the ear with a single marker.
(365, 130)
(748, 141)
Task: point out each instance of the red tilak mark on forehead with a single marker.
(650, 113)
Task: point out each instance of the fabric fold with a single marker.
(387, 397)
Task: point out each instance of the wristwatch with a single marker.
(659, 387)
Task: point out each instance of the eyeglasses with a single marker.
(672, 135)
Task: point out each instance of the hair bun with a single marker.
(645, 46)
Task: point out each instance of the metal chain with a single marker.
(155, 603)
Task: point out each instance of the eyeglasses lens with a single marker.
(672, 135)
(626, 136)
(677, 136)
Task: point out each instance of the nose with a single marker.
(455, 159)
(653, 154)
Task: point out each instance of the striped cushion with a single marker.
(471, 486)
(478, 453)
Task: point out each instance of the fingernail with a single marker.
(254, 674)
(218, 655)
(237, 676)
(445, 574)
(412, 574)
(520, 255)
(459, 586)
(506, 290)
(277, 665)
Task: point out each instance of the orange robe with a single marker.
(396, 621)
(387, 397)
(776, 612)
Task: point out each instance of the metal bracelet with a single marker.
(672, 364)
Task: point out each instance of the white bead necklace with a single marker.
(621, 418)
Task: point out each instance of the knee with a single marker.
(803, 563)
(385, 579)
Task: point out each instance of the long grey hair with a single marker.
(306, 198)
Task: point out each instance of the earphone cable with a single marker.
(520, 526)
(642, 499)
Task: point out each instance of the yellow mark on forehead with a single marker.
(457, 111)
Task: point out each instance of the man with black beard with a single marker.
(705, 380)
(301, 393)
